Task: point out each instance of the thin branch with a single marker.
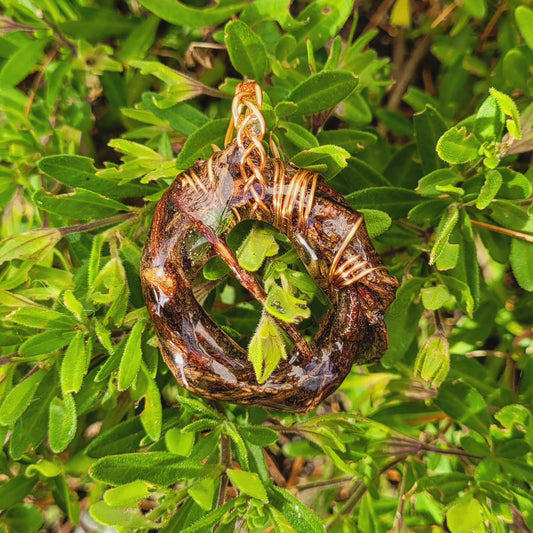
(408, 71)
(510, 232)
(490, 26)
(78, 228)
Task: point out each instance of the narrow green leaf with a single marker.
(18, 400)
(488, 125)
(522, 263)
(300, 517)
(433, 360)
(508, 107)
(74, 365)
(322, 91)
(258, 435)
(524, 20)
(159, 468)
(78, 171)
(121, 517)
(152, 415)
(31, 245)
(266, 348)
(132, 357)
(353, 141)
(493, 182)
(249, 483)
(208, 520)
(464, 404)
(246, 50)
(80, 204)
(15, 490)
(20, 63)
(62, 423)
(181, 14)
(127, 494)
(395, 201)
(428, 126)
(443, 232)
(198, 145)
(203, 493)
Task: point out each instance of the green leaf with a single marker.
(353, 141)
(121, 517)
(493, 182)
(322, 91)
(127, 494)
(80, 203)
(15, 490)
(321, 21)
(159, 468)
(300, 517)
(249, 483)
(40, 318)
(376, 222)
(476, 8)
(488, 125)
(96, 23)
(442, 235)
(258, 435)
(63, 422)
(395, 201)
(295, 137)
(180, 86)
(207, 521)
(283, 304)
(23, 518)
(277, 10)
(435, 297)
(140, 39)
(79, 172)
(522, 263)
(181, 14)
(508, 107)
(458, 146)
(74, 365)
(524, 20)
(203, 493)
(266, 348)
(328, 160)
(182, 117)
(198, 145)
(429, 127)
(402, 320)
(215, 268)
(31, 428)
(246, 50)
(465, 516)
(433, 360)
(151, 417)
(431, 184)
(465, 405)
(125, 437)
(258, 245)
(132, 357)
(20, 63)
(19, 398)
(31, 245)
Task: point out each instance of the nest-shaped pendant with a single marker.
(238, 183)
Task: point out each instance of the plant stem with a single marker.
(510, 232)
(96, 224)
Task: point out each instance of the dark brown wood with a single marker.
(201, 356)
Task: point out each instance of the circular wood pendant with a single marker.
(240, 183)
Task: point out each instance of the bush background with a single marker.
(102, 103)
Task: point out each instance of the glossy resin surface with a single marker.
(199, 207)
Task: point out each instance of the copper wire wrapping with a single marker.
(191, 225)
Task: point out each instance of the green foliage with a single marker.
(102, 104)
